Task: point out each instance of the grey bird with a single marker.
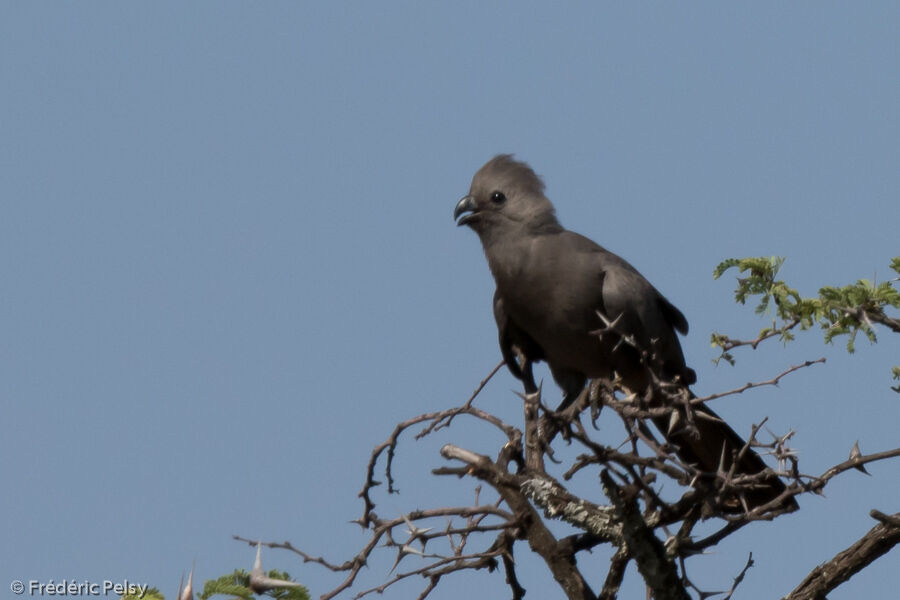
(588, 313)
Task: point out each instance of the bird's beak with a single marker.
(466, 205)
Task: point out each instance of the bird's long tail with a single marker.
(713, 447)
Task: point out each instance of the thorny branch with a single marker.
(635, 523)
(726, 343)
(749, 385)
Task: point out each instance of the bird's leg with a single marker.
(553, 422)
(572, 384)
(595, 389)
(526, 373)
(568, 399)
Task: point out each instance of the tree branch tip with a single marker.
(885, 519)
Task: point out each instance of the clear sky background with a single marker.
(228, 264)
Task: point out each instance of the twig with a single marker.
(740, 577)
(747, 386)
(614, 576)
(728, 343)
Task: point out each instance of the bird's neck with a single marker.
(494, 236)
(511, 257)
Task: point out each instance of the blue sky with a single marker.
(229, 266)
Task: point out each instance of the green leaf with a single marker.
(838, 310)
(237, 585)
(150, 594)
(725, 265)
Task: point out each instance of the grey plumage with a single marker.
(551, 285)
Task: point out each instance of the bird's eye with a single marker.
(498, 198)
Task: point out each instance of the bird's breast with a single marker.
(554, 309)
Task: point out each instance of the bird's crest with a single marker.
(512, 173)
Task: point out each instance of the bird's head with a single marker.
(505, 194)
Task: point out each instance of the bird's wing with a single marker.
(513, 339)
(635, 306)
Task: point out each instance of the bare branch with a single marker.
(748, 386)
(614, 576)
(448, 419)
(482, 536)
(727, 343)
(815, 484)
(648, 552)
(540, 539)
(826, 577)
(558, 503)
(740, 577)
